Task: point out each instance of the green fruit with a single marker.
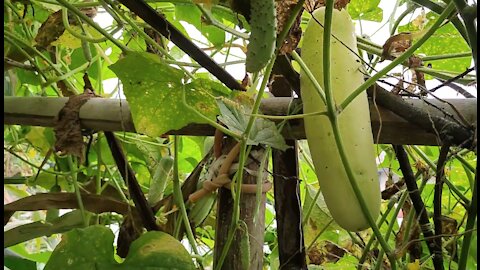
(158, 250)
(159, 180)
(353, 122)
(263, 35)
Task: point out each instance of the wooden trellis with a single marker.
(114, 115)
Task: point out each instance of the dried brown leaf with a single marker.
(50, 30)
(68, 131)
(284, 11)
(395, 45)
(53, 27)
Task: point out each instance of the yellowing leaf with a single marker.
(420, 21)
(414, 266)
(72, 42)
(31, 153)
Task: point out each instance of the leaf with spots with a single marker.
(367, 10)
(446, 40)
(155, 94)
(83, 249)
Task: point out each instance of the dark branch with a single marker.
(134, 189)
(159, 23)
(448, 131)
(437, 197)
(419, 206)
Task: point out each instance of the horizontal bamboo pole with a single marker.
(114, 115)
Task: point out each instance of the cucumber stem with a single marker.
(177, 191)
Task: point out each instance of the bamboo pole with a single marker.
(114, 115)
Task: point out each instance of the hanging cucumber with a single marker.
(262, 40)
(353, 122)
(159, 180)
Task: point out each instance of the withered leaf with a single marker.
(284, 12)
(68, 132)
(396, 44)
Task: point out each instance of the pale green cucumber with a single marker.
(354, 123)
(159, 180)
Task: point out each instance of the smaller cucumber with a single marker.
(262, 40)
(159, 180)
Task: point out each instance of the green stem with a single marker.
(74, 33)
(469, 227)
(177, 191)
(89, 21)
(446, 75)
(24, 44)
(368, 42)
(409, 9)
(310, 76)
(33, 165)
(448, 10)
(446, 56)
(390, 206)
(70, 73)
(433, 167)
(214, 22)
(73, 175)
(145, 36)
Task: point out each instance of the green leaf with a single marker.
(155, 94)
(235, 117)
(37, 229)
(47, 180)
(319, 216)
(446, 40)
(39, 136)
(78, 58)
(22, 250)
(189, 154)
(157, 250)
(14, 261)
(89, 248)
(192, 15)
(365, 10)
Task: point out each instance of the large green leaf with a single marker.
(14, 261)
(365, 10)
(155, 94)
(89, 248)
(446, 40)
